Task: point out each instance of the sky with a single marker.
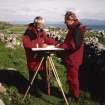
(50, 10)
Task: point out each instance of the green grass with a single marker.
(16, 29)
(12, 58)
(15, 58)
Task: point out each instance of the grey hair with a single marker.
(38, 19)
(70, 14)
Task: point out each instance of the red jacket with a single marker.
(31, 38)
(74, 42)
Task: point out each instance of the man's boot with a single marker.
(37, 91)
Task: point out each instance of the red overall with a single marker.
(31, 38)
(74, 59)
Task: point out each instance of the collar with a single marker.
(74, 25)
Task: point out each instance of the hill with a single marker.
(92, 23)
(4, 25)
(15, 81)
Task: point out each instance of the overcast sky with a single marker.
(51, 10)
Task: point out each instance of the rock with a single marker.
(2, 89)
(100, 46)
(1, 102)
(1, 37)
(9, 45)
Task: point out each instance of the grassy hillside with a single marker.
(5, 25)
(8, 28)
(16, 79)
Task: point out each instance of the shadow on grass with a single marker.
(54, 91)
(93, 81)
(13, 78)
(92, 76)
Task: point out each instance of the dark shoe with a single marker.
(70, 97)
(76, 99)
(37, 94)
(59, 93)
(35, 91)
(43, 86)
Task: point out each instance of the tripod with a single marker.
(49, 66)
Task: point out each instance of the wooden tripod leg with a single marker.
(33, 79)
(57, 78)
(48, 76)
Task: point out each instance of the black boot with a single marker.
(37, 91)
(71, 97)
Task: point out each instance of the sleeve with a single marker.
(26, 42)
(28, 37)
(78, 36)
(50, 41)
(64, 45)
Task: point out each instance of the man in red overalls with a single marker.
(34, 37)
(74, 45)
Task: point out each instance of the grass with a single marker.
(16, 29)
(12, 58)
(16, 59)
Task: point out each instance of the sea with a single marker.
(97, 27)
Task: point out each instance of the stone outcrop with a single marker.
(10, 41)
(1, 102)
(2, 89)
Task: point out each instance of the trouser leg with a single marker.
(34, 87)
(43, 82)
(72, 77)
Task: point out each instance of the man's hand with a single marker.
(57, 46)
(44, 45)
